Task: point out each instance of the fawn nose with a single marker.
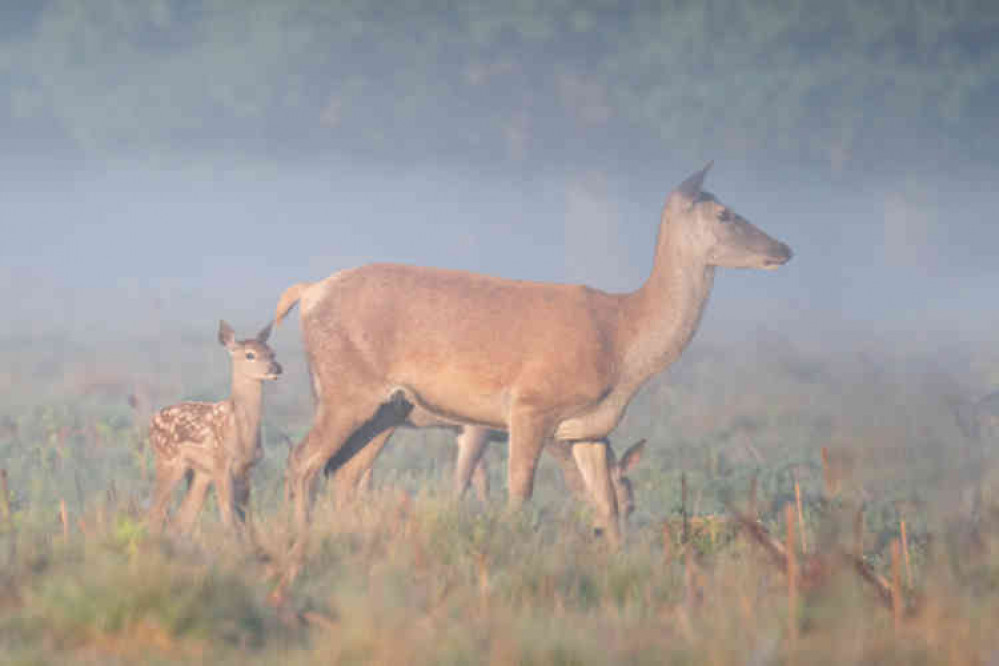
(276, 368)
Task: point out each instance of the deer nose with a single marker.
(276, 368)
(785, 252)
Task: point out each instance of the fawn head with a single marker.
(721, 236)
(251, 358)
(625, 495)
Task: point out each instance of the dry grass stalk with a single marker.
(896, 582)
(4, 496)
(319, 620)
(868, 575)
(801, 517)
(667, 542)
(792, 577)
(64, 519)
(759, 534)
(752, 495)
(858, 533)
(689, 576)
(817, 568)
(404, 509)
(905, 553)
(482, 565)
(685, 533)
(829, 485)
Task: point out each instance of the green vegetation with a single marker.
(410, 577)
(824, 82)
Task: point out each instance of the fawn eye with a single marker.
(250, 356)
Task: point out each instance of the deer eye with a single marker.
(250, 356)
(725, 215)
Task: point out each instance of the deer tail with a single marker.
(288, 300)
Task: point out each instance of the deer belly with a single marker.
(441, 408)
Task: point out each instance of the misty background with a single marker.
(165, 163)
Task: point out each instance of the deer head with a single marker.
(251, 358)
(619, 477)
(719, 235)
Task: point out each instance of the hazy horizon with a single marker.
(170, 163)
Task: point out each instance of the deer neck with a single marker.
(664, 313)
(247, 403)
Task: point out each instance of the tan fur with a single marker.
(288, 299)
(541, 361)
(213, 442)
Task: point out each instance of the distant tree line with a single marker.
(819, 81)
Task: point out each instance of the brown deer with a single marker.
(470, 468)
(214, 441)
(541, 361)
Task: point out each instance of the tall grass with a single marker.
(408, 576)
(419, 579)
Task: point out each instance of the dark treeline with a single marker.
(801, 81)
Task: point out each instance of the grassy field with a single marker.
(408, 576)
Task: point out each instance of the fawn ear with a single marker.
(632, 456)
(264, 333)
(227, 338)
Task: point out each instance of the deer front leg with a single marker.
(561, 453)
(527, 435)
(193, 501)
(225, 493)
(328, 435)
(471, 444)
(594, 464)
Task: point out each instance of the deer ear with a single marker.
(264, 333)
(227, 338)
(690, 189)
(632, 456)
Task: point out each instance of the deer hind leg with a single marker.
(224, 495)
(335, 437)
(168, 475)
(593, 461)
(354, 476)
(471, 444)
(321, 448)
(528, 430)
(190, 507)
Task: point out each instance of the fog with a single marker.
(172, 162)
(111, 249)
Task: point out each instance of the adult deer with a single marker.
(542, 361)
(214, 441)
